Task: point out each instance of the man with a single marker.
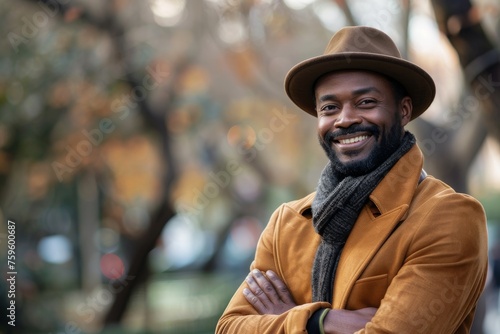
(379, 247)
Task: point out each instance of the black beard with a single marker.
(383, 150)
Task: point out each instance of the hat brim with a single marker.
(301, 79)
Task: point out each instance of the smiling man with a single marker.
(358, 123)
(379, 247)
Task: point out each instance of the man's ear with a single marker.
(405, 108)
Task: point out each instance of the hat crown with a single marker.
(362, 40)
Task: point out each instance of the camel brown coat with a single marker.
(417, 252)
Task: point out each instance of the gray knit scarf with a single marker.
(335, 209)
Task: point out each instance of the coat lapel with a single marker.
(366, 237)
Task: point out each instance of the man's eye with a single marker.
(329, 107)
(368, 102)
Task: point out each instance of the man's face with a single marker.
(360, 123)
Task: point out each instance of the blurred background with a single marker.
(144, 145)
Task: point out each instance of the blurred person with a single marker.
(379, 247)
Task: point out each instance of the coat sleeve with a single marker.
(443, 274)
(240, 317)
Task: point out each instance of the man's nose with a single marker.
(347, 117)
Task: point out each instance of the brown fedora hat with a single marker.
(360, 48)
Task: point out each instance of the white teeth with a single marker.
(353, 140)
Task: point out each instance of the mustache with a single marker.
(331, 136)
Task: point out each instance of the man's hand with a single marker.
(345, 321)
(267, 293)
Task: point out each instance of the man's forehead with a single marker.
(354, 81)
(351, 74)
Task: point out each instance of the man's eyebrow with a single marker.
(327, 97)
(365, 90)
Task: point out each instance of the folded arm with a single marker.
(268, 294)
(242, 317)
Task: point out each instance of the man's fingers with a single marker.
(254, 300)
(267, 293)
(256, 289)
(280, 287)
(269, 290)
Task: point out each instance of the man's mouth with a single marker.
(353, 139)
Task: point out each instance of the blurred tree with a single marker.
(477, 114)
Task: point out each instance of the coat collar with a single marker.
(398, 186)
(395, 189)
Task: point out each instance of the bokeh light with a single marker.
(241, 136)
(112, 266)
(168, 12)
(55, 249)
(298, 4)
